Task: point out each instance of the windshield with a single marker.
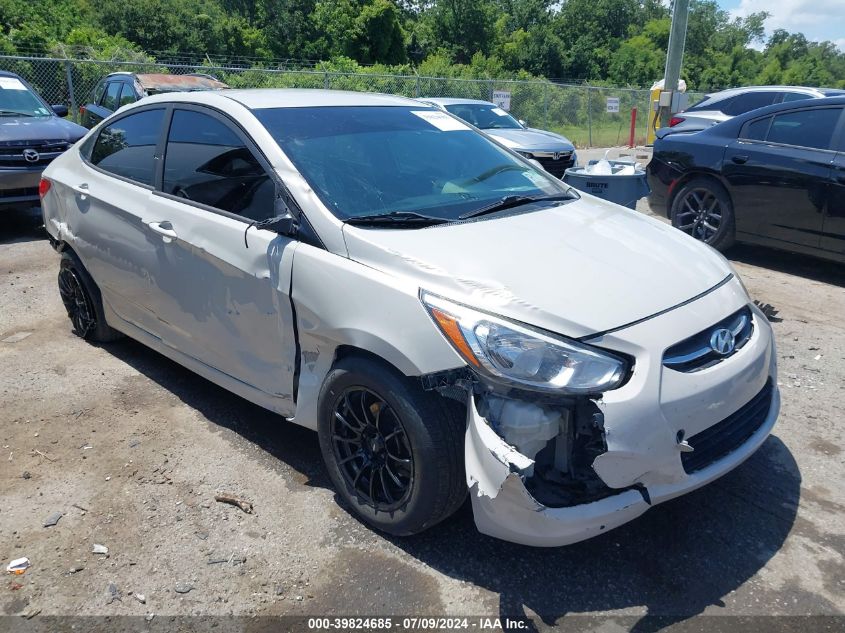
(16, 99)
(368, 160)
(484, 116)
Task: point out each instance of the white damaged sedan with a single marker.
(449, 318)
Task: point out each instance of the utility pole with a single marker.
(675, 54)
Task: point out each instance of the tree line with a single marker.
(612, 42)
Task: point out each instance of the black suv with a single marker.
(122, 88)
(32, 134)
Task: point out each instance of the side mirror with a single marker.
(523, 123)
(60, 110)
(283, 220)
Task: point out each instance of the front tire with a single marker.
(393, 451)
(82, 301)
(703, 209)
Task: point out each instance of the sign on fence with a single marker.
(613, 104)
(502, 98)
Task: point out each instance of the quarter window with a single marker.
(208, 163)
(805, 128)
(127, 146)
(112, 95)
(756, 130)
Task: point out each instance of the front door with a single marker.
(223, 288)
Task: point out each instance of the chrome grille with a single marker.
(12, 153)
(696, 352)
(555, 167)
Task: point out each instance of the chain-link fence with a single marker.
(581, 113)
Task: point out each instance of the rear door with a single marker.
(111, 191)
(833, 235)
(222, 290)
(778, 172)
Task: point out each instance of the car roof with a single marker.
(448, 101)
(164, 82)
(8, 73)
(744, 89)
(259, 98)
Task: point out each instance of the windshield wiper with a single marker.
(509, 202)
(396, 217)
(14, 113)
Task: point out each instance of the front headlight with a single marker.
(523, 153)
(517, 355)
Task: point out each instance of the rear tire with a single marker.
(83, 302)
(394, 452)
(703, 209)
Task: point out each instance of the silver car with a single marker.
(448, 317)
(721, 106)
(554, 152)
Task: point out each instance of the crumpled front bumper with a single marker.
(642, 420)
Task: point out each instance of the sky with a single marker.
(817, 19)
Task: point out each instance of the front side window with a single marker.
(379, 160)
(795, 96)
(484, 116)
(18, 100)
(806, 128)
(127, 146)
(207, 162)
(112, 95)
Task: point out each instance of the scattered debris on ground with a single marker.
(246, 506)
(53, 519)
(18, 566)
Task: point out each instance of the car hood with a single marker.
(47, 128)
(577, 269)
(531, 139)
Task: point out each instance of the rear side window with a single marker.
(127, 95)
(749, 101)
(112, 95)
(127, 146)
(207, 162)
(806, 128)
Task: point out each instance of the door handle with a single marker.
(82, 190)
(740, 159)
(164, 228)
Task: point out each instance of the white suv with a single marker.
(446, 316)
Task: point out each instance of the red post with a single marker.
(633, 127)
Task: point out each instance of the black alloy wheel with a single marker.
(80, 308)
(372, 450)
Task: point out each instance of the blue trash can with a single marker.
(624, 190)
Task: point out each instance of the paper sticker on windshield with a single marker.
(440, 120)
(11, 83)
(499, 112)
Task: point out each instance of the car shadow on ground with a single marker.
(21, 225)
(675, 561)
(811, 268)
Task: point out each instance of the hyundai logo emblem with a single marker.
(722, 342)
(31, 156)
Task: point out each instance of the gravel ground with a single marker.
(130, 448)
